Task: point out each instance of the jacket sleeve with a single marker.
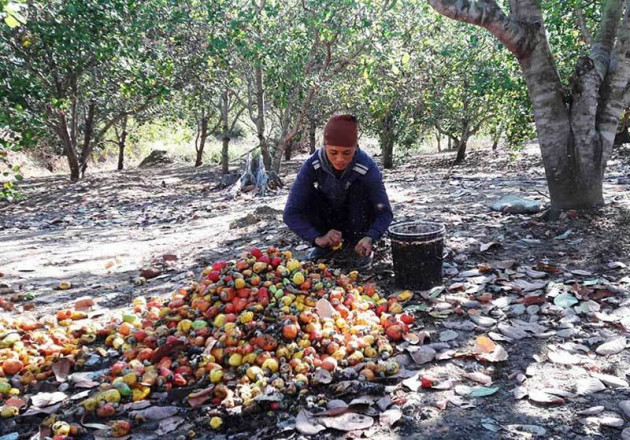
(379, 200)
(300, 196)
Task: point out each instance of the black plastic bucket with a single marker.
(417, 251)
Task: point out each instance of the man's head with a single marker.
(341, 140)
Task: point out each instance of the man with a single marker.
(338, 198)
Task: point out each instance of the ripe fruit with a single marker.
(290, 331)
(216, 422)
(12, 366)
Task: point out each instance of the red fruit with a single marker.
(227, 294)
(274, 406)
(290, 331)
(426, 382)
(394, 332)
(219, 265)
(140, 335)
(381, 309)
(214, 276)
(118, 368)
(407, 318)
(256, 252)
(231, 317)
(179, 381)
(264, 259)
(276, 261)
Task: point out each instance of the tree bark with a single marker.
(122, 138)
(575, 133)
(203, 135)
(439, 144)
(387, 142)
(260, 117)
(289, 150)
(225, 125)
(69, 148)
(87, 136)
(312, 128)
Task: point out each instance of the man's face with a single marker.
(340, 157)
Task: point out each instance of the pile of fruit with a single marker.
(264, 324)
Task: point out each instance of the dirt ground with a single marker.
(101, 232)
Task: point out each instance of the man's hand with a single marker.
(364, 247)
(331, 239)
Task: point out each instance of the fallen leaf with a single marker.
(565, 300)
(498, 355)
(592, 410)
(322, 376)
(448, 335)
(542, 397)
(169, 425)
(480, 377)
(306, 424)
(484, 344)
(421, 355)
(613, 346)
(589, 385)
(155, 412)
(527, 429)
(41, 400)
(324, 308)
(198, 398)
(485, 246)
(61, 368)
(483, 321)
(482, 391)
(390, 417)
(563, 357)
(611, 380)
(347, 422)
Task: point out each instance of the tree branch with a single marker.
(605, 41)
(487, 14)
(586, 33)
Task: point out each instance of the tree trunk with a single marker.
(450, 143)
(289, 150)
(225, 124)
(439, 143)
(387, 142)
(260, 117)
(576, 135)
(461, 151)
(312, 128)
(203, 135)
(463, 143)
(121, 144)
(87, 137)
(68, 147)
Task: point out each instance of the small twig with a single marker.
(543, 194)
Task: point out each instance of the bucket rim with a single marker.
(440, 229)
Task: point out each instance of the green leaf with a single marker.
(405, 59)
(483, 391)
(11, 21)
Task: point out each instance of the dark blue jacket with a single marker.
(354, 202)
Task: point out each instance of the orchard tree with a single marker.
(576, 125)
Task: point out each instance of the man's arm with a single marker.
(301, 194)
(380, 202)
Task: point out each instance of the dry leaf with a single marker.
(324, 308)
(614, 346)
(484, 344)
(421, 355)
(41, 400)
(306, 424)
(61, 368)
(542, 397)
(390, 417)
(479, 377)
(347, 422)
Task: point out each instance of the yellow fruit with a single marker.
(216, 422)
(236, 360)
(298, 278)
(254, 372)
(138, 394)
(293, 264)
(184, 325)
(109, 396)
(216, 375)
(271, 365)
(9, 411)
(246, 317)
(219, 320)
(64, 285)
(130, 379)
(90, 404)
(239, 283)
(61, 428)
